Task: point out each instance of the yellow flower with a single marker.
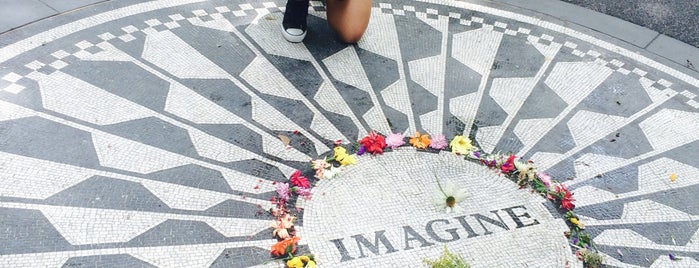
(301, 262)
(576, 222)
(347, 160)
(460, 145)
(340, 151)
(342, 156)
(311, 264)
(295, 262)
(420, 141)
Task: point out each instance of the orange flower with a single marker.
(285, 246)
(420, 141)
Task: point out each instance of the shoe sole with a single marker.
(293, 38)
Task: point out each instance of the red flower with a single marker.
(560, 192)
(374, 143)
(561, 189)
(509, 165)
(298, 180)
(567, 201)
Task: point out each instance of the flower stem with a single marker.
(438, 184)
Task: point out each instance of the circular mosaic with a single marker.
(388, 200)
(155, 134)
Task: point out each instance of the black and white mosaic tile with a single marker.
(147, 135)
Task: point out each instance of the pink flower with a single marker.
(282, 226)
(545, 178)
(319, 165)
(304, 192)
(299, 180)
(439, 142)
(395, 140)
(283, 191)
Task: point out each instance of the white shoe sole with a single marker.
(295, 36)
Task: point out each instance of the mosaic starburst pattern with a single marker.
(147, 134)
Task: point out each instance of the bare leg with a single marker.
(349, 18)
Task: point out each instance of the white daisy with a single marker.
(448, 197)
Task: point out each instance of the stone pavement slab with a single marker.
(612, 26)
(675, 18)
(17, 13)
(156, 133)
(67, 5)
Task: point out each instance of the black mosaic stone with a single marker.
(224, 94)
(516, 59)
(108, 193)
(177, 232)
(614, 99)
(157, 133)
(40, 138)
(193, 176)
(25, 231)
(122, 260)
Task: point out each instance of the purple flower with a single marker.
(477, 154)
(361, 150)
(575, 240)
(438, 142)
(283, 191)
(305, 192)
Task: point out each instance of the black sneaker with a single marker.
(294, 23)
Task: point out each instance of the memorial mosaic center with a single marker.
(381, 208)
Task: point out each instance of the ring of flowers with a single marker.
(523, 172)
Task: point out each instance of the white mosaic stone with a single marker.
(127, 38)
(35, 65)
(509, 94)
(106, 36)
(623, 71)
(693, 103)
(59, 64)
(639, 72)
(14, 89)
(688, 94)
(71, 96)
(11, 77)
(523, 30)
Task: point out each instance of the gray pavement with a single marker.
(147, 134)
(673, 18)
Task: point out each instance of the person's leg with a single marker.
(294, 23)
(349, 18)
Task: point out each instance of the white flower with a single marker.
(332, 172)
(448, 196)
(522, 166)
